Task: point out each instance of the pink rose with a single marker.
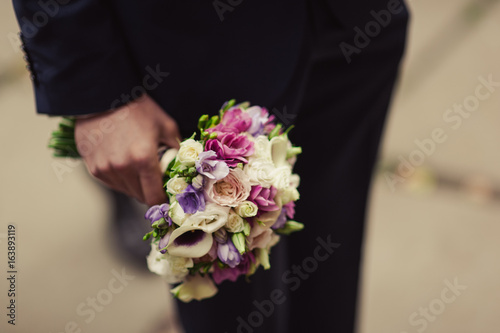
(231, 148)
(229, 191)
(234, 120)
(260, 236)
(264, 198)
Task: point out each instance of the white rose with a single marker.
(289, 194)
(235, 223)
(281, 177)
(189, 151)
(260, 171)
(262, 148)
(172, 268)
(178, 268)
(177, 214)
(247, 209)
(176, 185)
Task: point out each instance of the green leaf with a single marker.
(275, 131)
(288, 129)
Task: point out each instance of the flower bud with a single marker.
(239, 242)
(220, 236)
(263, 257)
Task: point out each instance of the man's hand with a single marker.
(120, 148)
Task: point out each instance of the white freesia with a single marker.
(209, 220)
(262, 256)
(295, 180)
(173, 269)
(195, 287)
(235, 223)
(247, 209)
(176, 185)
(177, 214)
(279, 148)
(189, 151)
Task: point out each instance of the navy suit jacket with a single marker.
(89, 56)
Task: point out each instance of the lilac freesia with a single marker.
(157, 212)
(191, 200)
(228, 253)
(280, 221)
(208, 165)
(164, 241)
(263, 197)
(231, 148)
(228, 273)
(259, 116)
(288, 210)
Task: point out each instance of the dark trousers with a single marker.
(339, 110)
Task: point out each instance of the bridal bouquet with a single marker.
(231, 193)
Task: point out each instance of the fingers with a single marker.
(125, 158)
(169, 133)
(151, 183)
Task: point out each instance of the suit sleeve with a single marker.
(76, 54)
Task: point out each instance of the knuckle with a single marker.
(143, 159)
(100, 170)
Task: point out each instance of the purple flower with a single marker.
(231, 148)
(164, 242)
(157, 212)
(280, 221)
(259, 116)
(263, 197)
(191, 200)
(208, 165)
(228, 273)
(228, 253)
(288, 210)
